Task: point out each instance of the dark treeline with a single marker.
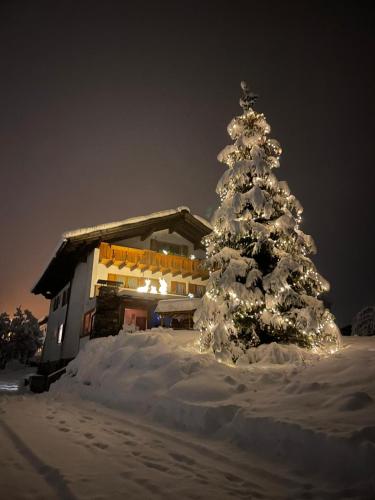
(20, 336)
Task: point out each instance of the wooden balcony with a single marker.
(135, 258)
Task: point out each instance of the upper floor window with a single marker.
(197, 290)
(132, 282)
(56, 302)
(65, 297)
(60, 333)
(173, 248)
(178, 287)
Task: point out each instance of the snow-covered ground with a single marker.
(75, 449)
(147, 415)
(13, 376)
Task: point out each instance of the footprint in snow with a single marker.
(124, 433)
(153, 465)
(241, 388)
(64, 429)
(182, 458)
(88, 435)
(102, 446)
(230, 380)
(355, 401)
(232, 478)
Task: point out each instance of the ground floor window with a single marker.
(88, 322)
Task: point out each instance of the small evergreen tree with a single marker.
(5, 340)
(263, 287)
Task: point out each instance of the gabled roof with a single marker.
(75, 245)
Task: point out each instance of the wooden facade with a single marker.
(143, 259)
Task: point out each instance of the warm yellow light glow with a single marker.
(148, 288)
(163, 286)
(145, 287)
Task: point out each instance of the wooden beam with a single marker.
(154, 269)
(106, 262)
(119, 263)
(142, 267)
(186, 274)
(165, 270)
(146, 234)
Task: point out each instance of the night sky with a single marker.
(116, 109)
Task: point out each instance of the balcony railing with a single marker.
(135, 258)
(190, 290)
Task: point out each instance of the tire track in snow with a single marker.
(51, 475)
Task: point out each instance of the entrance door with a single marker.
(141, 322)
(135, 319)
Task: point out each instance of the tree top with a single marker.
(248, 98)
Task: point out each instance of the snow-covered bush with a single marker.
(263, 287)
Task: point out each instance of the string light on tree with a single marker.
(263, 287)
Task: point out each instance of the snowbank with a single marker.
(313, 414)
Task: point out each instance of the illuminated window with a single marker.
(168, 248)
(132, 282)
(60, 333)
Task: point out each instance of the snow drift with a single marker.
(310, 413)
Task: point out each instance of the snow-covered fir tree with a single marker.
(263, 287)
(26, 336)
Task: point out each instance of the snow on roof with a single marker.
(203, 221)
(133, 220)
(176, 305)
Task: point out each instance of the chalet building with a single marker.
(112, 277)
